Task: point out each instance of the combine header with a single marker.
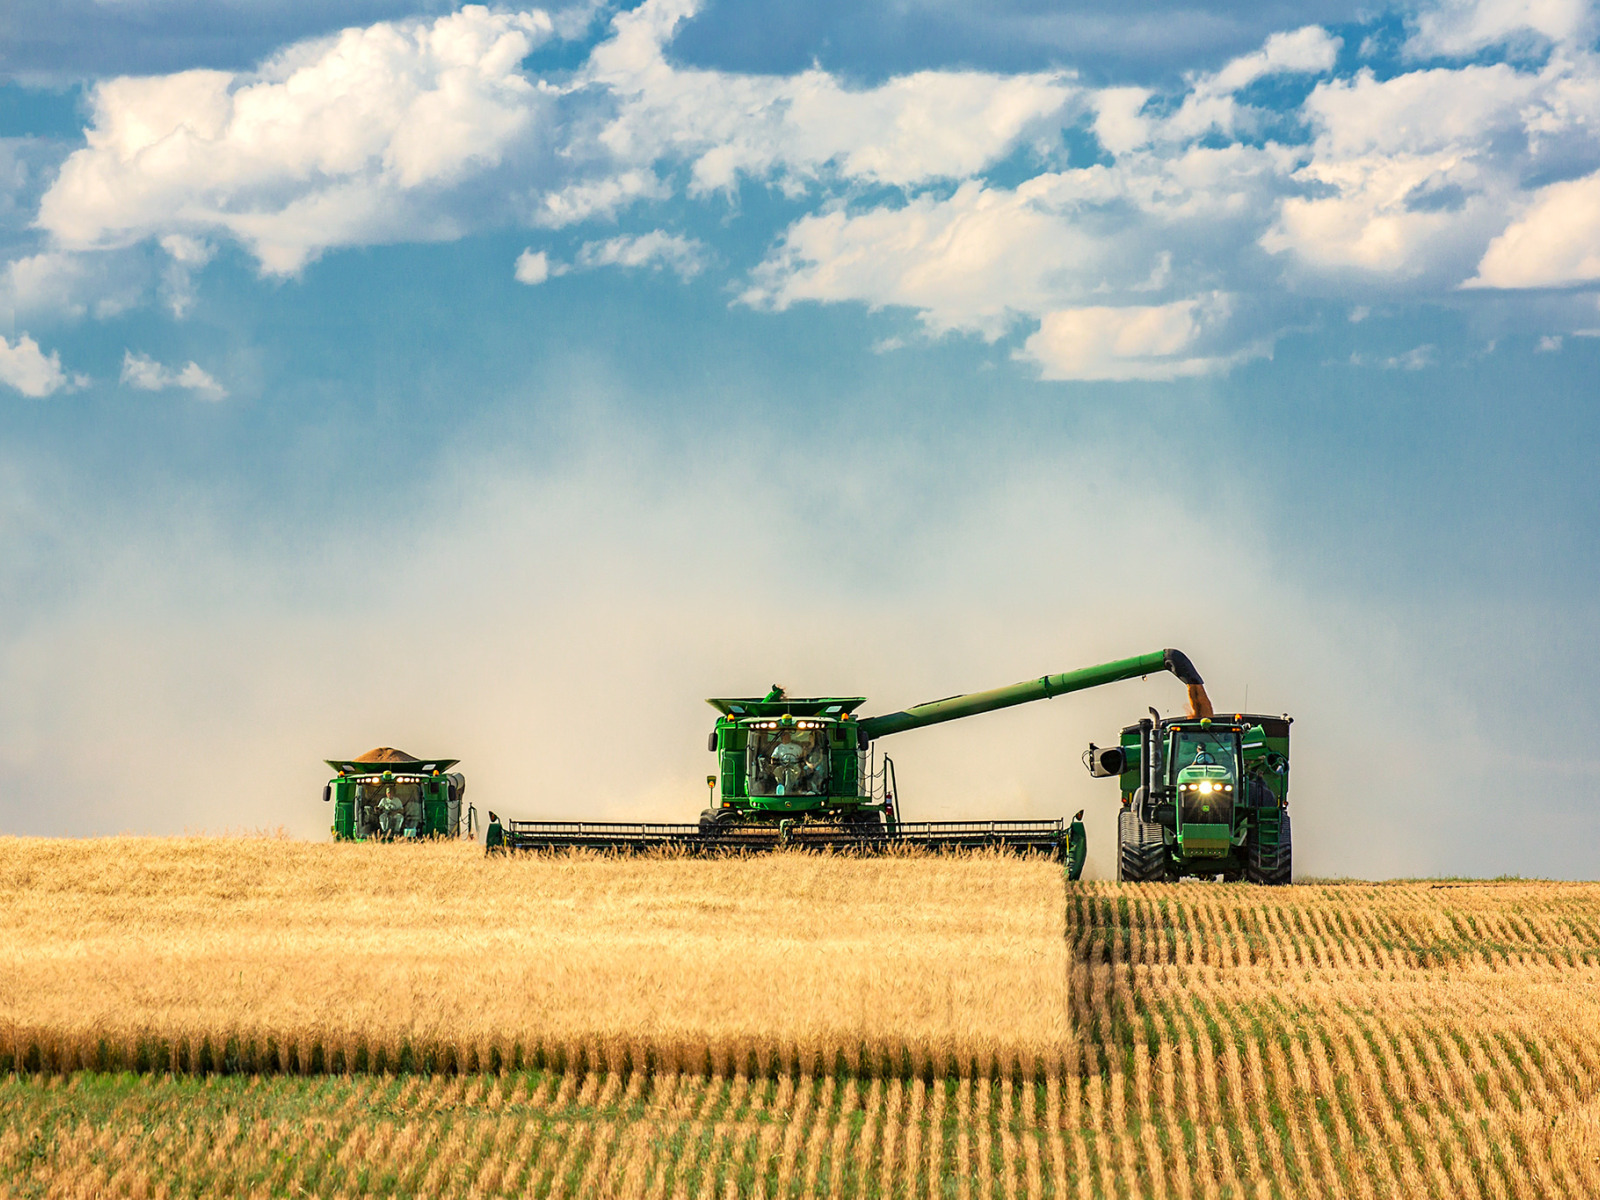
(806, 772)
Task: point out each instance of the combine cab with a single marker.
(781, 759)
(386, 795)
(1206, 796)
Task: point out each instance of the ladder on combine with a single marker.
(1047, 837)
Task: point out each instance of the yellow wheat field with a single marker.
(333, 954)
(1183, 1041)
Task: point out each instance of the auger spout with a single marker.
(955, 707)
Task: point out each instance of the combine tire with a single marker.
(1273, 865)
(1141, 851)
(710, 818)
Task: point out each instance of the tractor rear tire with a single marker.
(1141, 850)
(1275, 866)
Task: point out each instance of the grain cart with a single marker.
(388, 795)
(806, 772)
(1201, 795)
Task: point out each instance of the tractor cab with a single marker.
(1204, 762)
(1202, 796)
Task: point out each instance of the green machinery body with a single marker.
(1201, 797)
(804, 771)
(396, 800)
(780, 758)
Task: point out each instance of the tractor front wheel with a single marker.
(1141, 850)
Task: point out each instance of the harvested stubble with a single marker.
(251, 954)
(1352, 1041)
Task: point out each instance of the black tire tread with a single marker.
(1274, 867)
(1141, 850)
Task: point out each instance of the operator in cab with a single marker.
(788, 764)
(391, 813)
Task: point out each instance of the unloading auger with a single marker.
(806, 772)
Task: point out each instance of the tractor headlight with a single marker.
(1205, 787)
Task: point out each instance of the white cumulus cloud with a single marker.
(28, 369)
(1210, 103)
(907, 130)
(600, 198)
(1556, 242)
(59, 283)
(339, 141)
(1410, 177)
(1480, 173)
(985, 257)
(1456, 28)
(145, 373)
(532, 268)
(1309, 49)
(684, 257)
(970, 262)
(1152, 342)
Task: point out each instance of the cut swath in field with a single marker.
(259, 955)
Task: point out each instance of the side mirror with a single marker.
(327, 792)
(711, 742)
(1107, 760)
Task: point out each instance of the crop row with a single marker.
(1263, 1133)
(1383, 928)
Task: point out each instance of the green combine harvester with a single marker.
(1201, 796)
(387, 795)
(807, 772)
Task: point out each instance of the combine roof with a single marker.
(787, 706)
(386, 754)
(388, 757)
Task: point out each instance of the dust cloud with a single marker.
(557, 630)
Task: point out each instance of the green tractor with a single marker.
(1201, 796)
(387, 795)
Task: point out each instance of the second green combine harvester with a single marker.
(806, 772)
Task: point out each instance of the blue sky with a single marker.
(501, 382)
